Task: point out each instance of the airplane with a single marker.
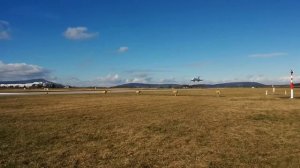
(197, 79)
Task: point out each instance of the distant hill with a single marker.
(239, 84)
(143, 85)
(41, 83)
(297, 85)
(221, 85)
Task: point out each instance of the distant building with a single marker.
(32, 83)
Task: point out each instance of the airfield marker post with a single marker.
(218, 92)
(285, 92)
(292, 85)
(266, 92)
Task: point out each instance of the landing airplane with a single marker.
(197, 79)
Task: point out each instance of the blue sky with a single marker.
(103, 43)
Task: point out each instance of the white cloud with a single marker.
(139, 71)
(123, 49)
(109, 80)
(268, 55)
(21, 71)
(263, 79)
(168, 81)
(140, 78)
(268, 80)
(4, 30)
(79, 33)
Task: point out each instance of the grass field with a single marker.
(241, 128)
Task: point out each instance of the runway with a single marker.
(59, 93)
(70, 92)
(66, 92)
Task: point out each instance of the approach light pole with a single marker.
(292, 85)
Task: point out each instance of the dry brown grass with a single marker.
(241, 128)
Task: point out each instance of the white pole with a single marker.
(292, 85)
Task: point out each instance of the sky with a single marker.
(110, 42)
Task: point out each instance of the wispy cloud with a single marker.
(137, 71)
(140, 78)
(171, 80)
(260, 78)
(115, 79)
(20, 71)
(268, 55)
(123, 49)
(79, 33)
(108, 80)
(4, 30)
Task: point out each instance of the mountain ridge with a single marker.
(229, 84)
(153, 85)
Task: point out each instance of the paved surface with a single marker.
(70, 92)
(54, 93)
(64, 92)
